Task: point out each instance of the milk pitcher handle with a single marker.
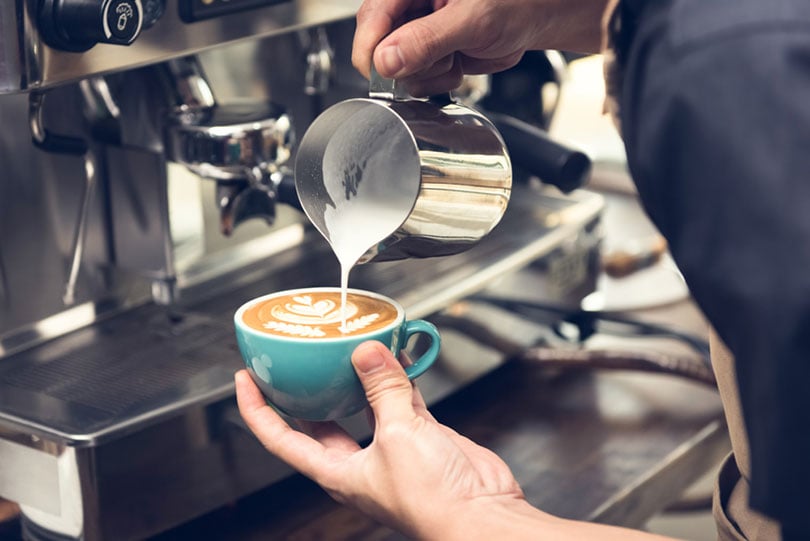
(387, 89)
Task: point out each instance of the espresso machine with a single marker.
(146, 191)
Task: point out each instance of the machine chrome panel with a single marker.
(151, 223)
(29, 476)
(27, 63)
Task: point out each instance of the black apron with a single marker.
(713, 101)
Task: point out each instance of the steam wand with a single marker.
(54, 143)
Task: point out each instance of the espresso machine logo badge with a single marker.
(124, 12)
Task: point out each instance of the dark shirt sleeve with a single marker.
(716, 119)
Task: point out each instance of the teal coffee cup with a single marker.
(297, 346)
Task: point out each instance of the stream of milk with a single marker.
(371, 172)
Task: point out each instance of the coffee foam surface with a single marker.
(317, 314)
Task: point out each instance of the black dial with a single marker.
(77, 25)
(152, 11)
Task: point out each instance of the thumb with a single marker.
(419, 44)
(388, 389)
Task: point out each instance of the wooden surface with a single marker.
(612, 448)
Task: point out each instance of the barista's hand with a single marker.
(417, 475)
(430, 44)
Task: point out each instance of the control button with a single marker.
(123, 19)
(78, 25)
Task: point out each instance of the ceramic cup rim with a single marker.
(244, 327)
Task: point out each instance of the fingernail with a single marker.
(392, 62)
(368, 358)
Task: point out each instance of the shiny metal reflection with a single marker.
(463, 181)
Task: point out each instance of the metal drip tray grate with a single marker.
(111, 384)
(121, 372)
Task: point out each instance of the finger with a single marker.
(419, 44)
(296, 449)
(418, 401)
(372, 424)
(441, 67)
(419, 404)
(419, 87)
(476, 66)
(375, 20)
(387, 387)
(443, 76)
(330, 435)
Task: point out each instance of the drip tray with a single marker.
(89, 382)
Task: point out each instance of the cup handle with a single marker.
(426, 360)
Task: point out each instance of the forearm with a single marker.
(571, 25)
(515, 519)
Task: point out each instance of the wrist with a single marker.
(499, 517)
(574, 26)
(513, 518)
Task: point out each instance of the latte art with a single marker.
(317, 314)
(304, 310)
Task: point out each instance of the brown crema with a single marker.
(317, 314)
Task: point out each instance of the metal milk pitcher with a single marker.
(421, 178)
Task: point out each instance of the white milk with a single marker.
(370, 168)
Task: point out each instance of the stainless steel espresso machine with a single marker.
(146, 192)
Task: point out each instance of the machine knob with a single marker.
(77, 25)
